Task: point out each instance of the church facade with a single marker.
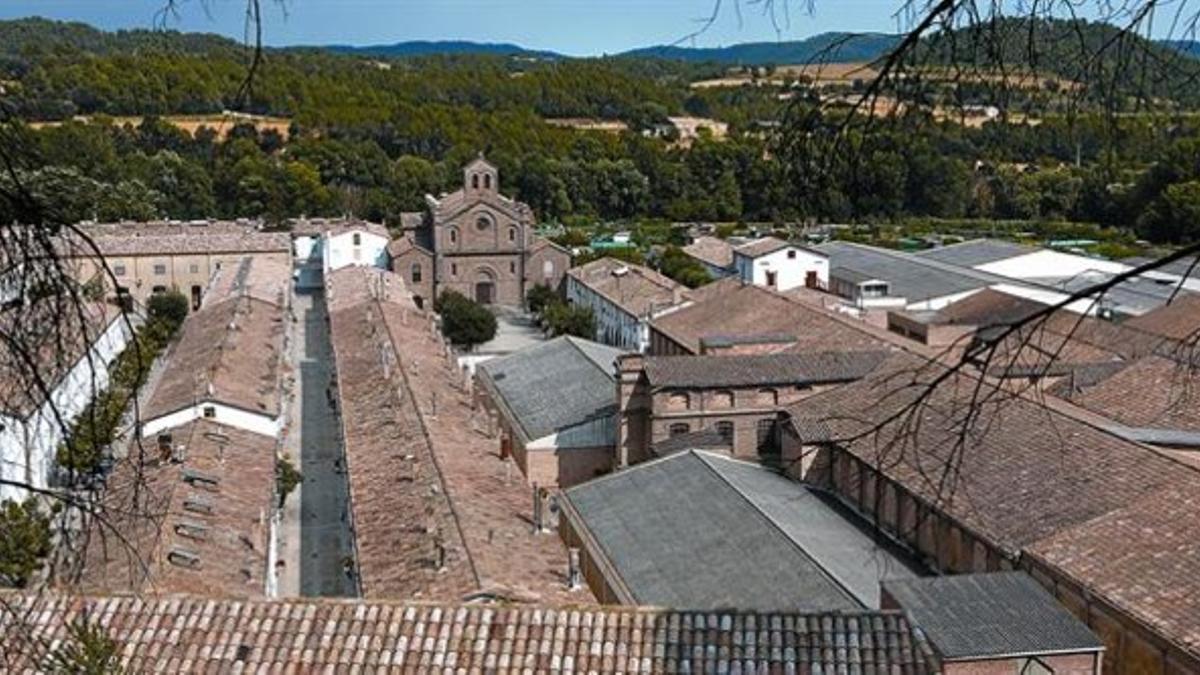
(477, 242)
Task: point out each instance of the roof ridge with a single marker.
(704, 456)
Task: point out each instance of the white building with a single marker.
(780, 265)
(623, 298)
(33, 426)
(323, 245)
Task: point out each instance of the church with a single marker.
(478, 242)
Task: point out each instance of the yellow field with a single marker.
(221, 123)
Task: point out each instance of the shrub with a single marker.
(465, 322)
(539, 297)
(565, 319)
(286, 479)
(170, 308)
(24, 541)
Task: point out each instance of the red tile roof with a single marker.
(714, 251)
(187, 634)
(196, 524)
(230, 352)
(488, 501)
(730, 308)
(1179, 320)
(638, 290)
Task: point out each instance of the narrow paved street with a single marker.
(316, 540)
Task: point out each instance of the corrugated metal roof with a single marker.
(913, 278)
(976, 252)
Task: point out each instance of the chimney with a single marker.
(574, 575)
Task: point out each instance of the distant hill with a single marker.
(444, 47)
(828, 47)
(1189, 47)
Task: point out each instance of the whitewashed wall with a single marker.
(339, 250)
(614, 326)
(789, 272)
(258, 423)
(28, 446)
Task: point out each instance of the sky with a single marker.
(575, 27)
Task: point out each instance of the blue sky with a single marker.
(579, 27)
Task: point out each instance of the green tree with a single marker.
(465, 322)
(286, 479)
(24, 541)
(567, 319)
(170, 308)
(539, 297)
(1175, 215)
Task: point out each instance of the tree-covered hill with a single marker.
(442, 47)
(826, 47)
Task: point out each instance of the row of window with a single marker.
(681, 400)
(159, 270)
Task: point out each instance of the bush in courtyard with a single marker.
(286, 479)
(465, 322)
(566, 319)
(539, 297)
(170, 308)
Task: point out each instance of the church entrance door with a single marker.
(485, 292)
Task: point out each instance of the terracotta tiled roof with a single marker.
(190, 243)
(55, 333)
(1150, 392)
(1179, 320)
(1009, 478)
(229, 352)
(714, 251)
(1142, 557)
(256, 277)
(730, 308)
(197, 524)
(397, 497)
(638, 290)
(749, 370)
(186, 634)
(764, 246)
(336, 226)
(489, 503)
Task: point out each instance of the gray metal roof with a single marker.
(1131, 297)
(751, 370)
(702, 531)
(910, 277)
(970, 616)
(976, 252)
(555, 385)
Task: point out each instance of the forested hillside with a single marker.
(371, 136)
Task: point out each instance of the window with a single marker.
(512, 268)
(679, 428)
(725, 431)
(874, 290)
(768, 397)
(512, 234)
(548, 269)
(416, 273)
(768, 441)
(678, 401)
(357, 238)
(487, 181)
(453, 236)
(722, 399)
(791, 254)
(453, 269)
(210, 411)
(119, 270)
(482, 223)
(194, 268)
(475, 181)
(159, 289)
(160, 270)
